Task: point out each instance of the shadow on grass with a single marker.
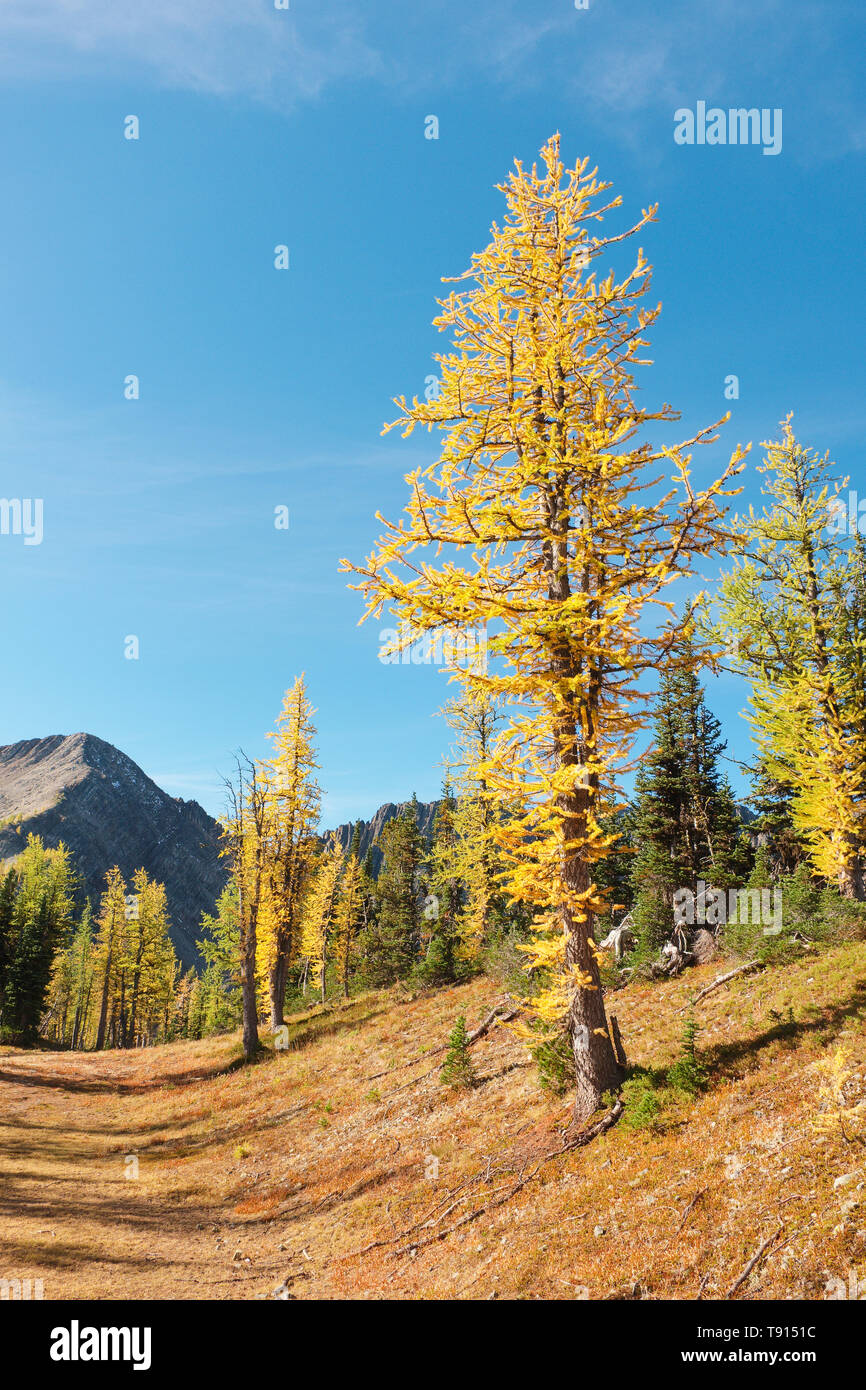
(727, 1057)
(58, 1081)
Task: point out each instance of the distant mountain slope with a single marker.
(83, 791)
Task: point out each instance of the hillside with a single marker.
(341, 1168)
(85, 792)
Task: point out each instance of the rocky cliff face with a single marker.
(83, 791)
(372, 829)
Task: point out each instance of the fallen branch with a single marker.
(495, 1016)
(585, 1136)
(502, 1195)
(470, 1216)
(687, 1213)
(758, 1255)
(722, 980)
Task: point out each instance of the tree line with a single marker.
(79, 981)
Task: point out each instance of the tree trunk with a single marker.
(248, 992)
(851, 883)
(595, 1065)
(575, 741)
(248, 978)
(277, 982)
(103, 1008)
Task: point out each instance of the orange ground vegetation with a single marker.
(267, 1181)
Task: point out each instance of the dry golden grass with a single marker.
(254, 1179)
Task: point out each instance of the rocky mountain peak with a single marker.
(80, 790)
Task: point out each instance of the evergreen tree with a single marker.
(35, 916)
(458, 1071)
(661, 863)
(772, 801)
(8, 891)
(614, 871)
(441, 911)
(392, 943)
(220, 948)
(686, 826)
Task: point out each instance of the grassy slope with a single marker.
(252, 1177)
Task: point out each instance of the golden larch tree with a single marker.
(111, 926)
(318, 915)
(794, 604)
(544, 522)
(293, 805)
(347, 918)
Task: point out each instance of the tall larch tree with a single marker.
(560, 542)
(474, 717)
(348, 913)
(110, 925)
(318, 915)
(150, 960)
(794, 602)
(294, 804)
(245, 834)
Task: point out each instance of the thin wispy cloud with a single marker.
(222, 47)
(616, 60)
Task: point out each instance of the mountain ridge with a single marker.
(81, 790)
(372, 829)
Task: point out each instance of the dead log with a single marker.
(496, 1015)
(758, 1255)
(722, 980)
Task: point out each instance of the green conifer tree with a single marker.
(392, 943)
(458, 1071)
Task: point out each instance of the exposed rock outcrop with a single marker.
(372, 829)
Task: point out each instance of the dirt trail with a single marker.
(76, 1207)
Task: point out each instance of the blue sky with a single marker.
(261, 388)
